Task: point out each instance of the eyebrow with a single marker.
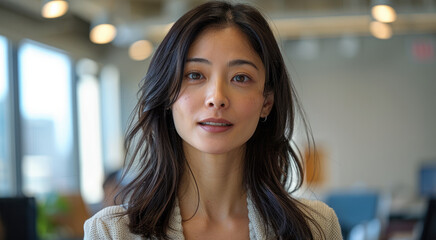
(200, 60)
(232, 63)
(242, 62)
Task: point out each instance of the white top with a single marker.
(103, 225)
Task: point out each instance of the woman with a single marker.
(211, 142)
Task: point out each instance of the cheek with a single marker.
(250, 108)
(183, 108)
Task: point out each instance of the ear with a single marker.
(267, 104)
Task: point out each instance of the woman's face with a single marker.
(221, 97)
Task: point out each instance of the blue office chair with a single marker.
(353, 208)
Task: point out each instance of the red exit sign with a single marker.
(423, 50)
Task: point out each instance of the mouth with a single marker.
(215, 124)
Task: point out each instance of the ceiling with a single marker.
(136, 19)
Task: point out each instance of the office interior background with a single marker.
(367, 86)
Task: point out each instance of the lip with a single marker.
(226, 125)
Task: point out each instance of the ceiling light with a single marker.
(54, 8)
(380, 30)
(102, 31)
(383, 11)
(140, 50)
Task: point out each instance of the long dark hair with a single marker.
(155, 149)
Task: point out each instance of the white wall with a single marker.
(374, 113)
(131, 73)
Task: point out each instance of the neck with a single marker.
(218, 177)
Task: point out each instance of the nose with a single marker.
(217, 97)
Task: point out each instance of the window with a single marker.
(89, 118)
(6, 168)
(45, 97)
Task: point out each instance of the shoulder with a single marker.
(109, 224)
(324, 216)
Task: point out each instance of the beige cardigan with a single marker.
(103, 225)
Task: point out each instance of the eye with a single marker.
(194, 76)
(241, 78)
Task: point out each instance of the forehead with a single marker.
(228, 42)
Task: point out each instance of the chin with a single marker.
(217, 149)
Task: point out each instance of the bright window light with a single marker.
(91, 159)
(6, 172)
(111, 113)
(3, 68)
(47, 126)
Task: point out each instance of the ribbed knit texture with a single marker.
(104, 225)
